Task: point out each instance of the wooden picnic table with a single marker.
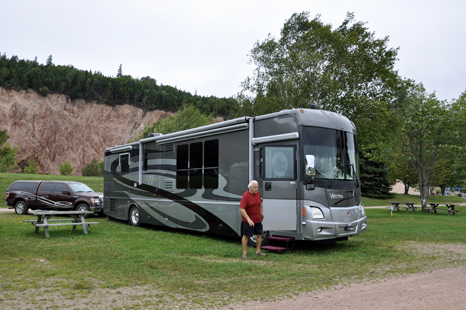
(409, 206)
(450, 208)
(44, 219)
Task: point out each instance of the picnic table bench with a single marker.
(44, 219)
(450, 208)
(409, 206)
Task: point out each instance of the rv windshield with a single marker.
(335, 151)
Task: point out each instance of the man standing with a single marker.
(252, 216)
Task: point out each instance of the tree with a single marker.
(374, 179)
(401, 169)
(66, 168)
(187, 117)
(346, 70)
(32, 166)
(8, 156)
(424, 135)
(94, 168)
(49, 61)
(120, 72)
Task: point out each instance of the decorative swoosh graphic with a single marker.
(197, 224)
(220, 226)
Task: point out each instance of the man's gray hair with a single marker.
(250, 183)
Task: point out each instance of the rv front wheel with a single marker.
(134, 219)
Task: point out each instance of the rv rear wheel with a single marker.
(21, 207)
(134, 219)
(252, 241)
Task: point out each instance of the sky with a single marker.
(202, 46)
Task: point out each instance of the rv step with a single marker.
(289, 244)
(272, 248)
(281, 239)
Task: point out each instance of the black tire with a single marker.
(83, 207)
(21, 207)
(252, 241)
(134, 219)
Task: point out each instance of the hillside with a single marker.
(56, 128)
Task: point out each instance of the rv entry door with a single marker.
(278, 180)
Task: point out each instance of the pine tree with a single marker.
(374, 179)
(120, 72)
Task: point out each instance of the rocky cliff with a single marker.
(56, 128)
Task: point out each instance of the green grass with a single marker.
(208, 270)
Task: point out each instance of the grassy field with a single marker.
(208, 270)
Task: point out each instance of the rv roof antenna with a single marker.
(313, 106)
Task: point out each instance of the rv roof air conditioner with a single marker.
(154, 135)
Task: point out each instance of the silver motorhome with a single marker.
(305, 161)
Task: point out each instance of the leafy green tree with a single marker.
(187, 117)
(94, 168)
(8, 156)
(346, 70)
(32, 166)
(424, 135)
(2, 137)
(66, 168)
(401, 169)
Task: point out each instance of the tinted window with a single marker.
(61, 187)
(25, 186)
(182, 166)
(47, 187)
(211, 164)
(124, 163)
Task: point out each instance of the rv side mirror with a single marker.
(310, 166)
(310, 171)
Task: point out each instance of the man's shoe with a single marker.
(260, 254)
(245, 256)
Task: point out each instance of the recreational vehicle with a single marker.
(305, 161)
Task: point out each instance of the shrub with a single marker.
(66, 169)
(94, 169)
(32, 167)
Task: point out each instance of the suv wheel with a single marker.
(21, 207)
(83, 207)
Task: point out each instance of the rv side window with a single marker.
(195, 165)
(279, 162)
(211, 164)
(124, 162)
(182, 166)
(146, 159)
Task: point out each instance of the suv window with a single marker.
(24, 186)
(47, 187)
(60, 188)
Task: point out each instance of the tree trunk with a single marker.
(406, 189)
(424, 189)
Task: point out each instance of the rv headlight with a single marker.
(363, 210)
(317, 213)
